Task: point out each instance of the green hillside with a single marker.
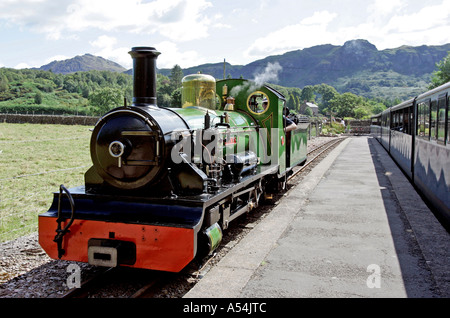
(46, 92)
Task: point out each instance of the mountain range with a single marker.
(357, 66)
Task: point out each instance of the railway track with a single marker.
(119, 282)
(148, 284)
(87, 286)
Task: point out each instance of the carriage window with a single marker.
(258, 103)
(424, 119)
(393, 120)
(441, 120)
(433, 121)
(411, 121)
(406, 121)
(448, 121)
(419, 116)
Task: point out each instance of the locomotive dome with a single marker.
(199, 90)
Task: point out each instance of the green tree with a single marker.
(376, 107)
(164, 100)
(360, 112)
(344, 105)
(176, 75)
(308, 112)
(70, 85)
(307, 94)
(38, 98)
(59, 80)
(296, 94)
(291, 101)
(85, 91)
(442, 74)
(106, 98)
(176, 98)
(163, 91)
(327, 93)
(4, 84)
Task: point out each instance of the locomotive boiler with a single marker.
(165, 182)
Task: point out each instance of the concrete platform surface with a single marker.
(355, 227)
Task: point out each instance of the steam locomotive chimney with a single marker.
(144, 75)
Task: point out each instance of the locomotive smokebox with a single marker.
(144, 75)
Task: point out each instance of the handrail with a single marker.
(61, 232)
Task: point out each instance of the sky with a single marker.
(193, 32)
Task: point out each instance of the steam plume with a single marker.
(270, 74)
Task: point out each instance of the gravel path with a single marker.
(27, 272)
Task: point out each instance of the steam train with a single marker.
(166, 182)
(416, 133)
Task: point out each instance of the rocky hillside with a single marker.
(79, 63)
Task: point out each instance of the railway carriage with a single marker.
(165, 182)
(416, 133)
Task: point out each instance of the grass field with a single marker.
(34, 161)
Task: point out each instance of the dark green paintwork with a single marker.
(262, 132)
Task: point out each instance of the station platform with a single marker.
(354, 227)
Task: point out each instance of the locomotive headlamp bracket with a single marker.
(116, 150)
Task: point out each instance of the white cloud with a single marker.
(106, 46)
(430, 25)
(177, 19)
(390, 23)
(309, 32)
(104, 41)
(22, 66)
(170, 53)
(426, 19)
(385, 7)
(263, 4)
(319, 18)
(221, 26)
(57, 58)
(28, 14)
(186, 22)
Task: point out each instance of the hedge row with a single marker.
(39, 109)
(48, 119)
